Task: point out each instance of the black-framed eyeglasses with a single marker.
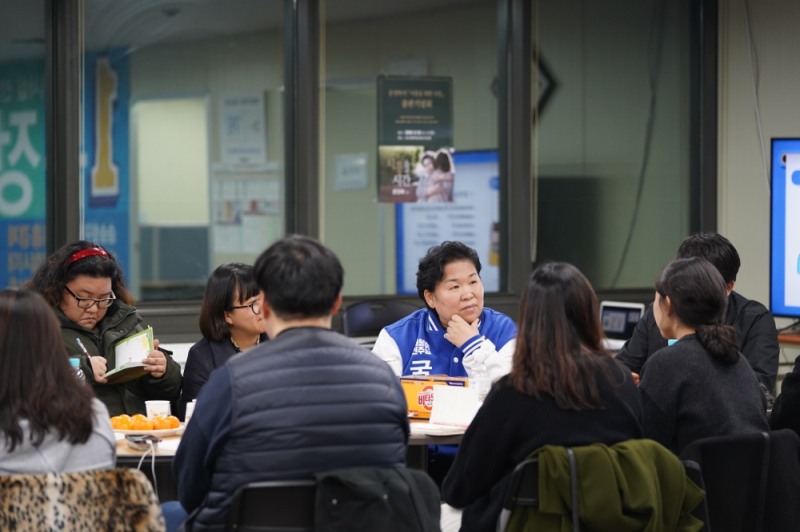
(255, 306)
(89, 302)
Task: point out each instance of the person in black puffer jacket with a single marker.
(307, 401)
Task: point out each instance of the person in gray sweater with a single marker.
(701, 385)
(50, 421)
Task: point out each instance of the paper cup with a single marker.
(157, 408)
(189, 410)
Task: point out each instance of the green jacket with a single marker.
(120, 321)
(635, 485)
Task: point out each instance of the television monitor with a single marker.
(785, 228)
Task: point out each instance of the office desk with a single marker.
(158, 466)
(789, 338)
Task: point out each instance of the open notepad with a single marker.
(453, 410)
(129, 353)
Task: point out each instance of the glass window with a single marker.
(22, 140)
(182, 137)
(409, 137)
(612, 157)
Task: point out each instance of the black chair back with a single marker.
(274, 506)
(523, 490)
(696, 475)
(752, 481)
(367, 318)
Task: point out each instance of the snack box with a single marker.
(419, 392)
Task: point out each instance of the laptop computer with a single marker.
(618, 319)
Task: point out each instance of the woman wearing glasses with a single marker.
(84, 284)
(230, 322)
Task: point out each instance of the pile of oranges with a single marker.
(142, 422)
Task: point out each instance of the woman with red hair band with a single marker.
(84, 283)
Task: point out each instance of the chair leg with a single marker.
(573, 475)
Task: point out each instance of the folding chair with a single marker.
(523, 490)
(752, 481)
(367, 318)
(523, 487)
(274, 506)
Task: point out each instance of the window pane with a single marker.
(22, 140)
(612, 137)
(401, 80)
(183, 141)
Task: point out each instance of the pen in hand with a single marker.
(83, 348)
(96, 363)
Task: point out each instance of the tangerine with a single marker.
(160, 423)
(141, 424)
(121, 422)
(174, 422)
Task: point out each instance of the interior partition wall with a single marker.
(566, 92)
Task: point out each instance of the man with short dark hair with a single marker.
(308, 401)
(755, 326)
(455, 331)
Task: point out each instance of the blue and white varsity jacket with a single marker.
(415, 345)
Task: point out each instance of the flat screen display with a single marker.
(618, 319)
(785, 228)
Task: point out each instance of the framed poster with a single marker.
(472, 218)
(415, 134)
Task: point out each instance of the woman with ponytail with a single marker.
(699, 385)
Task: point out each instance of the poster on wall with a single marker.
(244, 213)
(22, 171)
(243, 127)
(415, 138)
(106, 174)
(472, 218)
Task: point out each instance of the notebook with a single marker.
(618, 319)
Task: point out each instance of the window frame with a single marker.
(178, 319)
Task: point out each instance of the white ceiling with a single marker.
(138, 23)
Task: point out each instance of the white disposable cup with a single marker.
(157, 408)
(189, 410)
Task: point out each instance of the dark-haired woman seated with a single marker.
(230, 322)
(563, 389)
(50, 421)
(84, 283)
(700, 385)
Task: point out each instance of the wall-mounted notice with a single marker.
(243, 214)
(415, 134)
(472, 218)
(243, 130)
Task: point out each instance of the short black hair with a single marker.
(716, 249)
(300, 277)
(431, 266)
(226, 282)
